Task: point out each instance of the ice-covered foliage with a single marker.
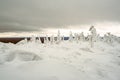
(91, 38)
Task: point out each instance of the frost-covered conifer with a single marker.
(25, 40)
(38, 40)
(63, 38)
(33, 38)
(98, 38)
(58, 37)
(46, 40)
(105, 38)
(52, 39)
(70, 36)
(82, 37)
(93, 35)
(109, 40)
(114, 38)
(76, 37)
(89, 38)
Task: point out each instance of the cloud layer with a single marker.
(35, 15)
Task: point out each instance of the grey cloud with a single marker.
(39, 14)
(16, 27)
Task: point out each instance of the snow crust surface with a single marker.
(63, 61)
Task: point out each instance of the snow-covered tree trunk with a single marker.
(90, 39)
(98, 38)
(33, 38)
(105, 38)
(108, 38)
(46, 40)
(70, 36)
(58, 37)
(82, 37)
(26, 41)
(76, 37)
(38, 40)
(52, 39)
(63, 38)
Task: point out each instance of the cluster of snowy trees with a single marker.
(77, 37)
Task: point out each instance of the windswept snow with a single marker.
(22, 55)
(64, 61)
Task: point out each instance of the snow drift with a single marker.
(63, 61)
(22, 55)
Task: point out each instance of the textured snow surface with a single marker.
(63, 61)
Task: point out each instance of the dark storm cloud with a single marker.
(31, 15)
(13, 27)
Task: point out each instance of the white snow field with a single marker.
(64, 61)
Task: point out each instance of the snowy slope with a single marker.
(64, 61)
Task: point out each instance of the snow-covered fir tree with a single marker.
(58, 37)
(46, 40)
(76, 38)
(33, 38)
(93, 35)
(70, 36)
(52, 39)
(82, 37)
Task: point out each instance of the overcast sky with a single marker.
(36, 15)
